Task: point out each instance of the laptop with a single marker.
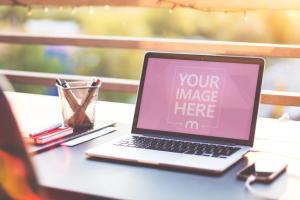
(194, 112)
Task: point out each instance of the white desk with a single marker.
(281, 139)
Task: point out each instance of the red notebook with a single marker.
(52, 135)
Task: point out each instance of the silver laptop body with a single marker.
(193, 112)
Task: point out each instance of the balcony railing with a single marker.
(159, 44)
(131, 86)
(48, 79)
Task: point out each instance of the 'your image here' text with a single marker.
(197, 95)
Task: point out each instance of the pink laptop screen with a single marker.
(204, 98)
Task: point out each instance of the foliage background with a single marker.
(255, 26)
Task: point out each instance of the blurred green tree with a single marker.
(261, 26)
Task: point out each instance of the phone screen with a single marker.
(263, 169)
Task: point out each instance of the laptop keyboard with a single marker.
(177, 146)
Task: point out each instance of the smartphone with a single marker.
(264, 170)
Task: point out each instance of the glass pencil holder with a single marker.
(78, 103)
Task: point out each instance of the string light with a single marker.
(171, 10)
(74, 10)
(91, 10)
(46, 9)
(106, 7)
(29, 11)
(246, 18)
(177, 4)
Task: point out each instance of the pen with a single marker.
(95, 83)
(58, 82)
(45, 130)
(64, 83)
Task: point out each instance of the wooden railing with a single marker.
(159, 44)
(131, 86)
(48, 79)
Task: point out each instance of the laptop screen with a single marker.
(204, 96)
